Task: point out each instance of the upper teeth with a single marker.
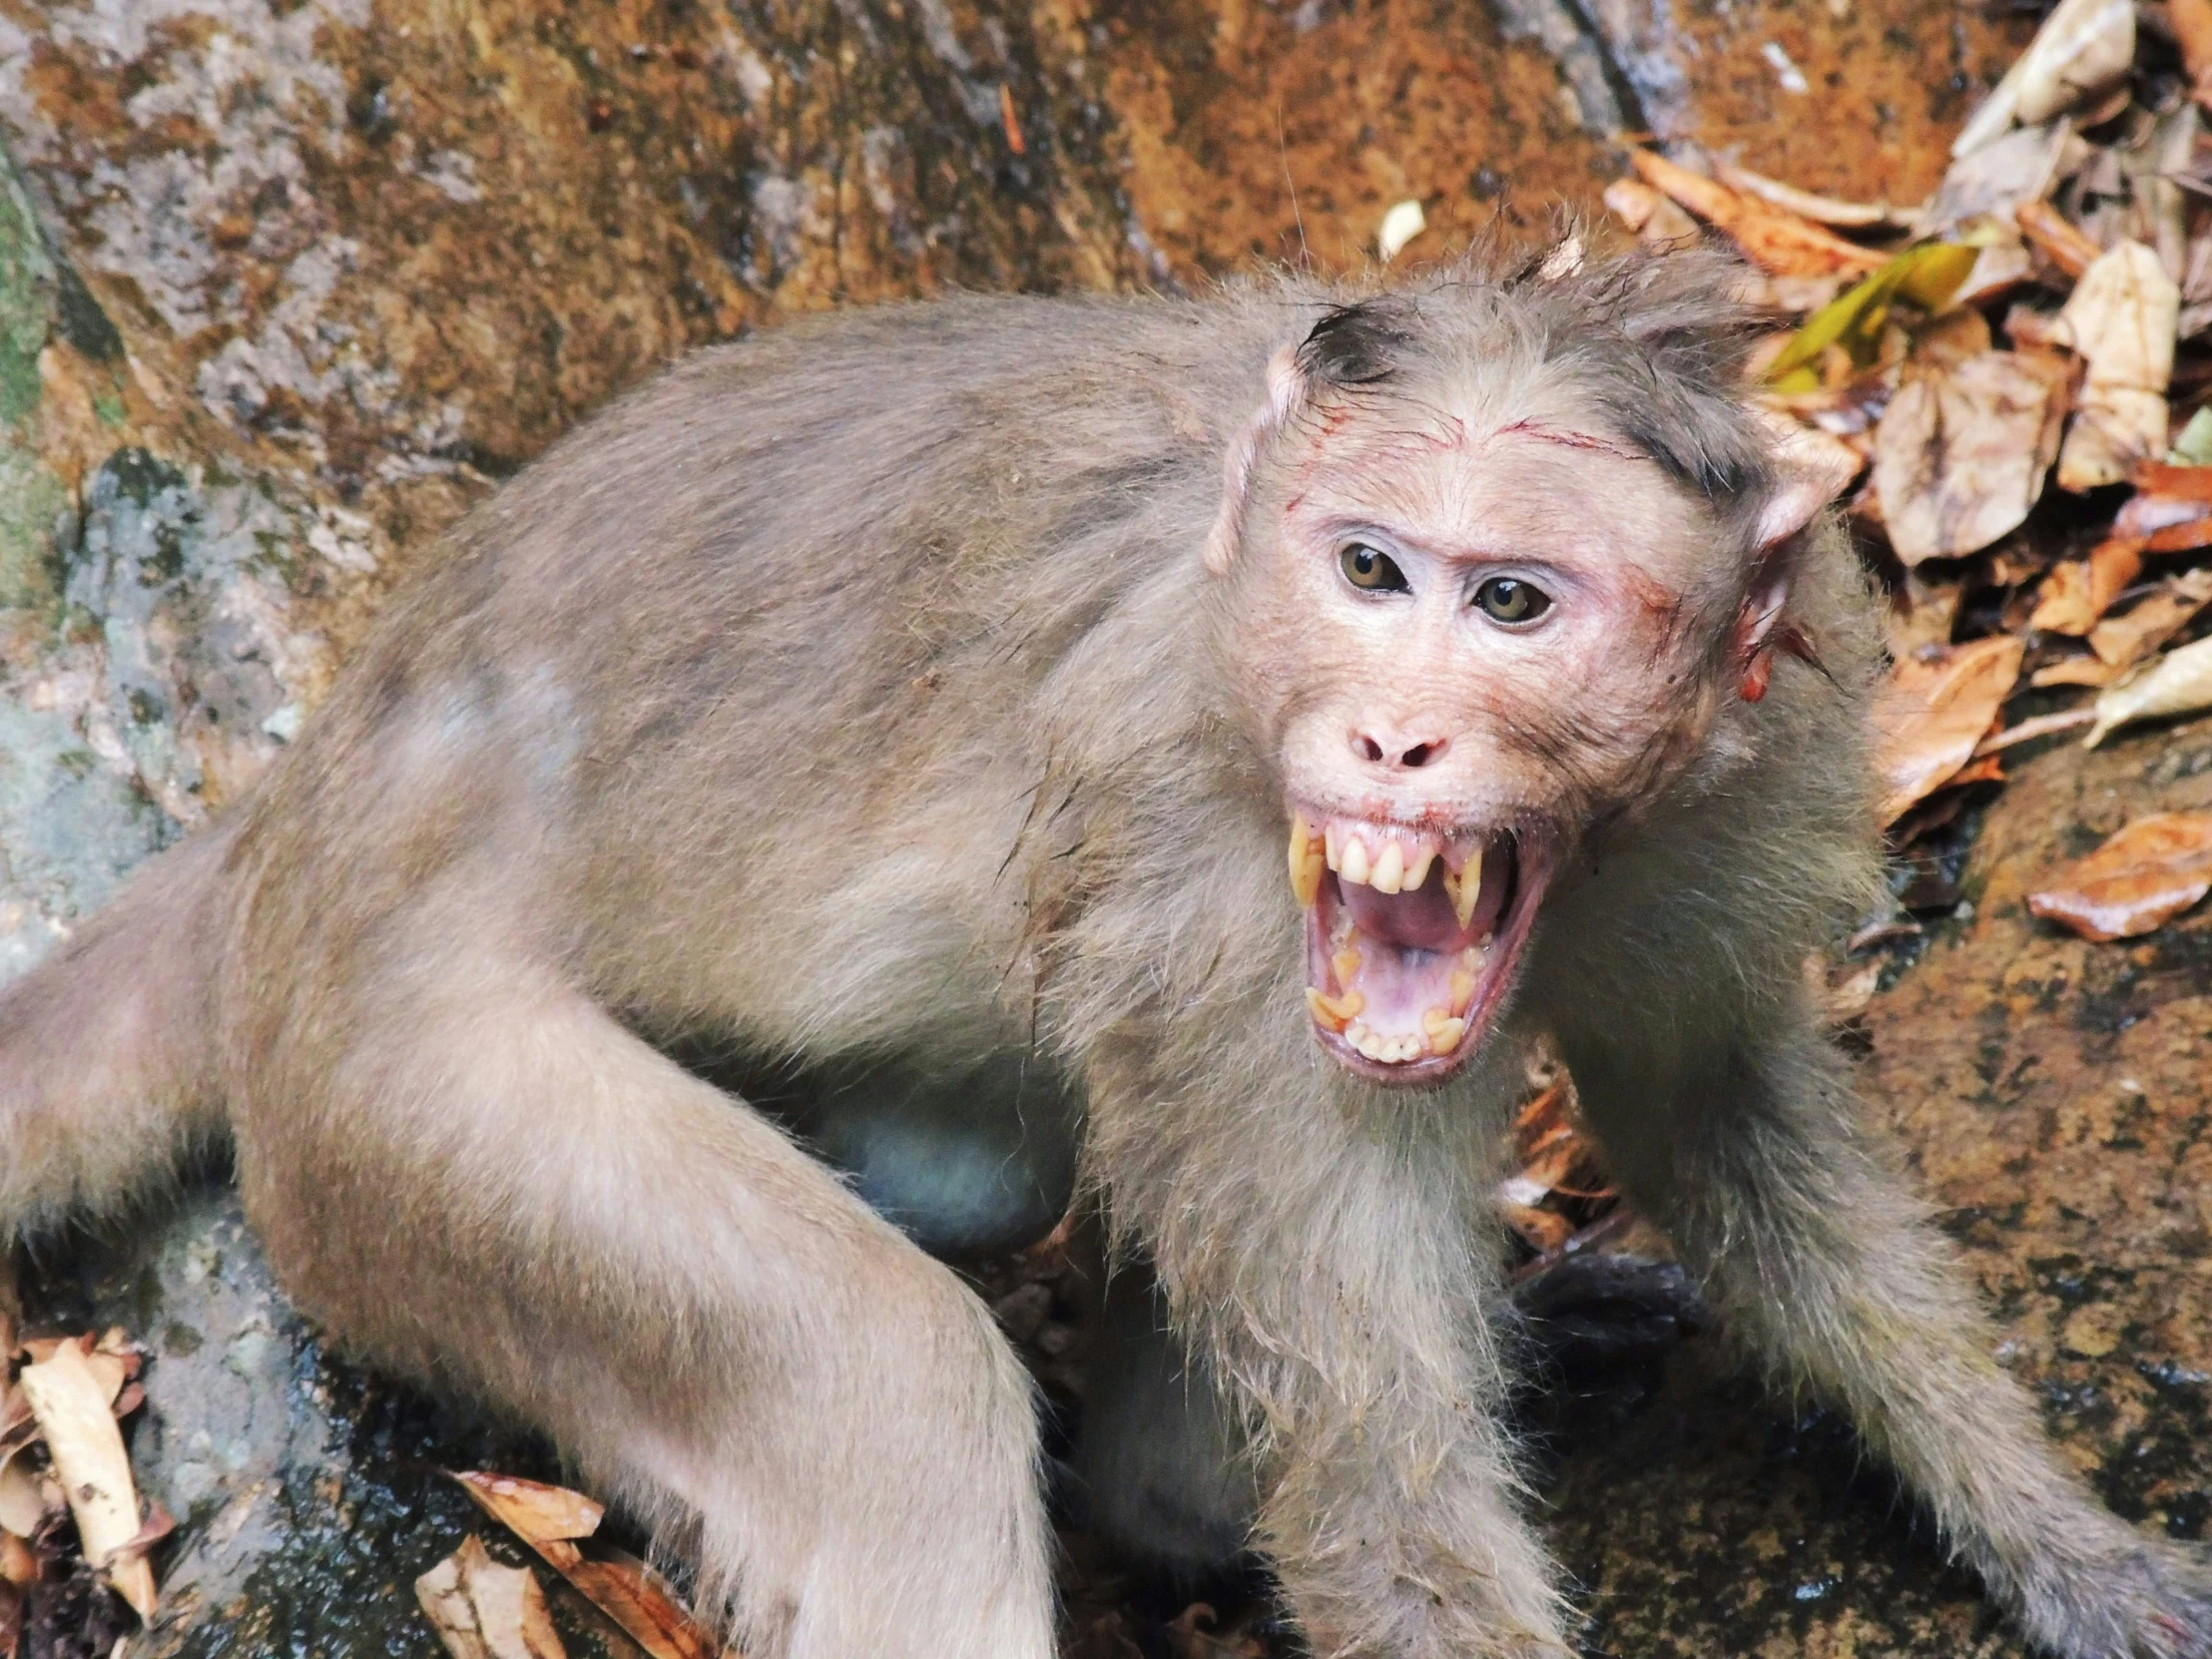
(1389, 861)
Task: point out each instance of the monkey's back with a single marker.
(763, 649)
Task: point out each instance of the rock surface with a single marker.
(286, 284)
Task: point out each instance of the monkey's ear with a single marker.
(1808, 474)
(1811, 469)
(1286, 390)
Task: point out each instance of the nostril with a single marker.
(1388, 748)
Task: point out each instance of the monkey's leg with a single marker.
(1751, 1152)
(476, 1174)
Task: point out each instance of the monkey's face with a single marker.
(1469, 643)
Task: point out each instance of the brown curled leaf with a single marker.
(2078, 593)
(482, 1610)
(1934, 711)
(550, 1519)
(1774, 240)
(2128, 638)
(532, 1510)
(2145, 875)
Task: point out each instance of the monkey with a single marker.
(1190, 748)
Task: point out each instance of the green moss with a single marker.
(32, 499)
(26, 299)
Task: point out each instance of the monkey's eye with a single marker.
(1365, 567)
(1509, 599)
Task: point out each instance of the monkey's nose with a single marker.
(1399, 750)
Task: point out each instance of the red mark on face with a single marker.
(1568, 439)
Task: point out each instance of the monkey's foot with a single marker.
(2146, 1600)
(1410, 938)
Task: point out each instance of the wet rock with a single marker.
(397, 249)
(306, 1495)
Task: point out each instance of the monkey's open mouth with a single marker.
(1410, 938)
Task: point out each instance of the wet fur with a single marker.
(857, 691)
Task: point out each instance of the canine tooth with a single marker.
(1305, 867)
(1470, 887)
(1463, 990)
(1335, 1010)
(1355, 867)
(1443, 1037)
(1390, 870)
(1416, 872)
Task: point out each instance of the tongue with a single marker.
(1419, 920)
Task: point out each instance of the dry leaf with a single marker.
(2054, 235)
(1996, 269)
(1775, 240)
(2149, 873)
(533, 1512)
(1960, 456)
(482, 1610)
(2192, 26)
(2075, 671)
(2116, 427)
(1992, 183)
(72, 1405)
(2076, 594)
(2083, 47)
(2122, 641)
(18, 1566)
(1925, 614)
(1822, 210)
(1545, 1230)
(1933, 712)
(2120, 318)
(636, 1598)
(1949, 340)
(1633, 201)
(548, 1520)
(2178, 683)
(22, 1496)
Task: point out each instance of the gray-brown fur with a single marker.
(858, 692)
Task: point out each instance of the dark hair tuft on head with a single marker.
(1358, 345)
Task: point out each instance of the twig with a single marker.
(2043, 726)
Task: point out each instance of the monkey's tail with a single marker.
(108, 1047)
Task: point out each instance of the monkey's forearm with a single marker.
(1822, 1261)
(1339, 1294)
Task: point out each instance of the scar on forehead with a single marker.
(1569, 438)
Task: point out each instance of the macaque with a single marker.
(1191, 750)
